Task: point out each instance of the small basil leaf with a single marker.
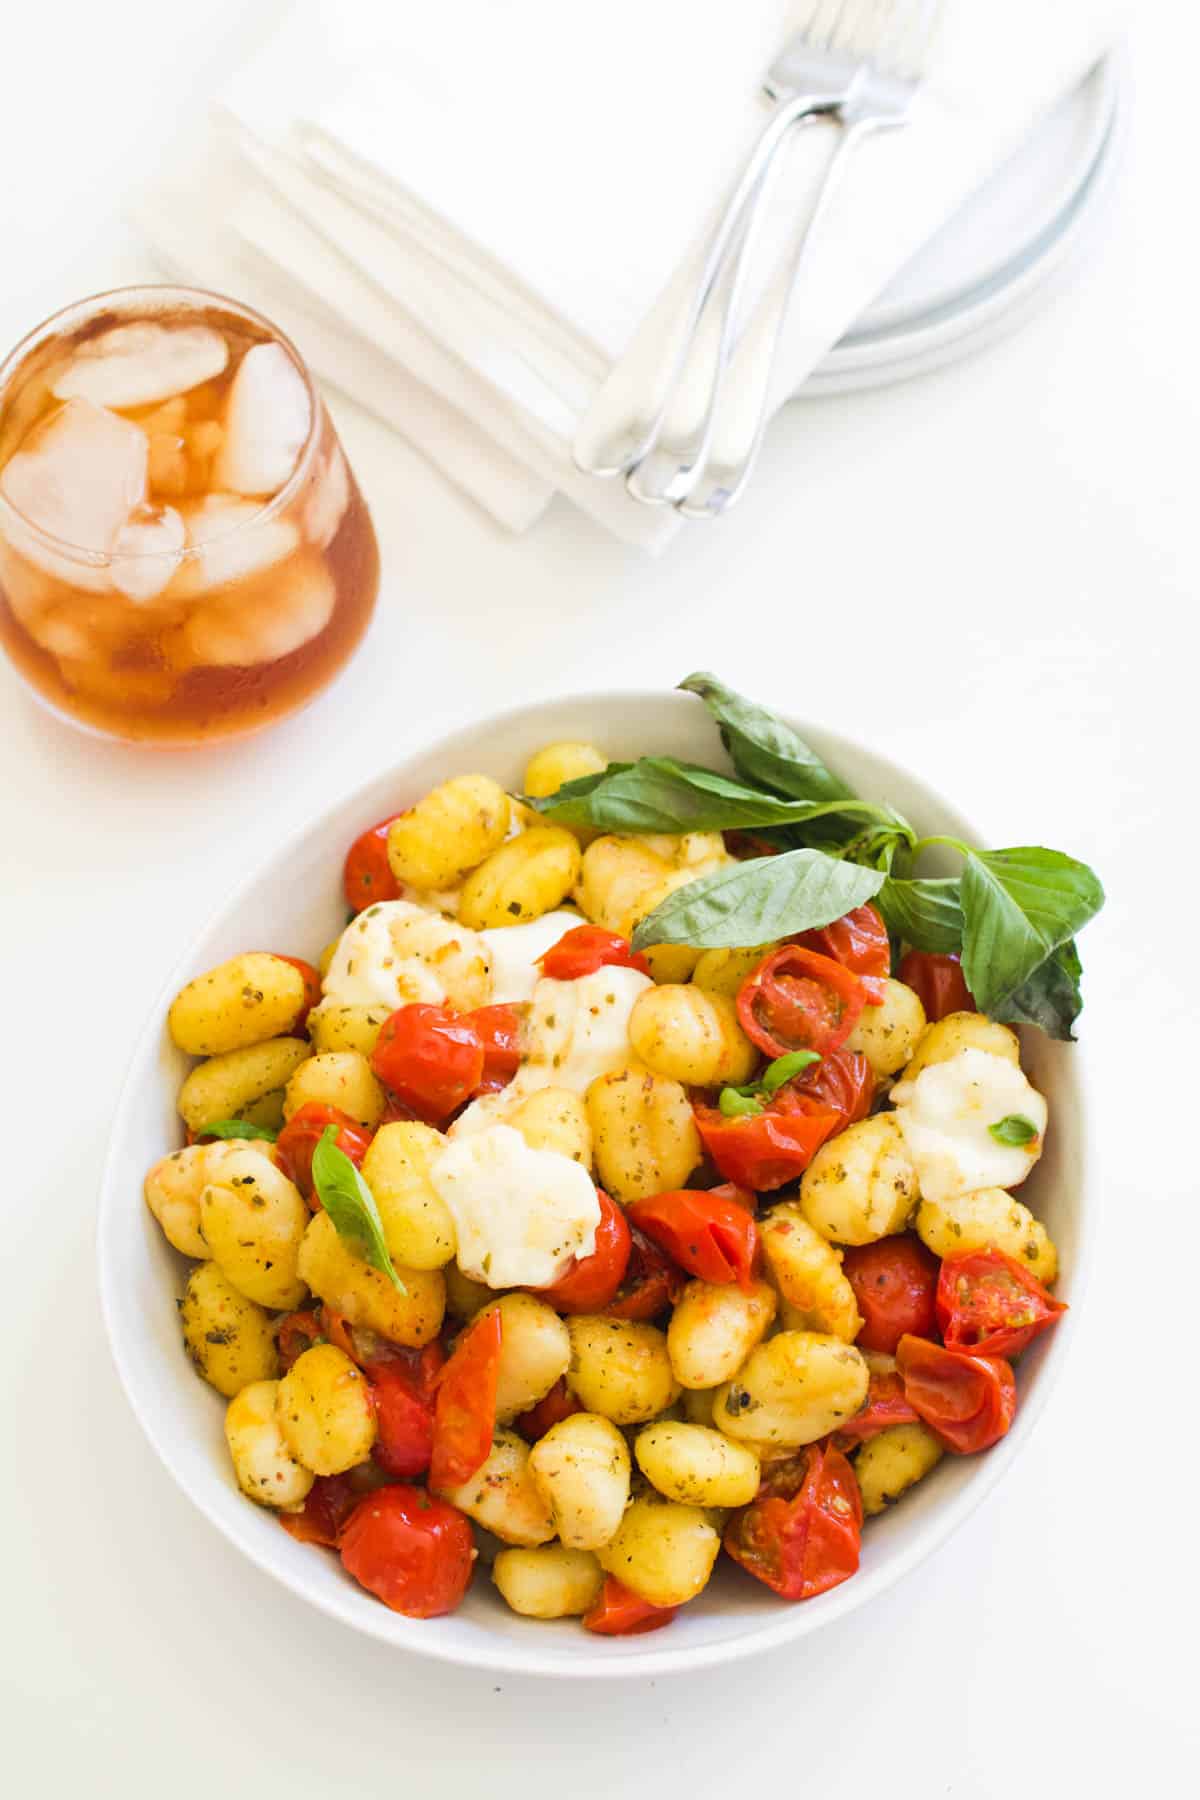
(1050, 999)
(236, 1128)
(736, 1105)
(351, 1205)
(762, 747)
(1019, 906)
(759, 901)
(569, 803)
(1013, 1129)
(785, 1067)
(925, 913)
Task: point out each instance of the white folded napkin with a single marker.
(481, 218)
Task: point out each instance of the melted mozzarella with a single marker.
(521, 1215)
(515, 951)
(945, 1112)
(397, 952)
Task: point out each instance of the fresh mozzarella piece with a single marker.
(945, 1113)
(521, 1215)
(515, 951)
(397, 952)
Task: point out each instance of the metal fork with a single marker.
(857, 63)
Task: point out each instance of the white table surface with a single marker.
(991, 574)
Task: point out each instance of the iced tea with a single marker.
(184, 553)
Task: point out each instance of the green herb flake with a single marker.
(1013, 1129)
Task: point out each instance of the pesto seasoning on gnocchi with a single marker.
(677, 1119)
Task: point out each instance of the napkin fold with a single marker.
(481, 220)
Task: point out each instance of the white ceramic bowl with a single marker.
(295, 902)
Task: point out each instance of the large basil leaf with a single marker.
(1050, 999)
(762, 747)
(754, 902)
(925, 913)
(1019, 906)
(351, 1205)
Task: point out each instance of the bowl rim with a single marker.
(793, 1622)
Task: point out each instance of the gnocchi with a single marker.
(418, 1226)
(619, 1368)
(230, 1340)
(696, 1465)
(948, 1037)
(692, 1036)
(241, 1002)
(792, 1390)
(549, 1581)
(581, 1468)
(644, 1136)
(807, 1271)
(990, 1217)
(363, 1295)
(253, 1219)
(861, 1185)
(437, 841)
(265, 1468)
(523, 879)
(893, 1461)
(713, 1329)
(503, 1497)
(663, 1551)
(554, 765)
(324, 1409)
(225, 1086)
(887, 1034)
(340, 1078)
(534, 1352)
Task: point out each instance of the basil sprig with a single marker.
(236, 1128)
(759, 901)
(745, 1102)
(1013, 1129)
(351, 1205)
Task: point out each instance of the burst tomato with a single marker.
(621, 1613)
(499, 1029)
(410, 1550)
(989, 1304)
(967, 1401)
(710, 1234)
(652, 1281)
(843, 1081)
(403, 1385)
(329, 1502)
(464, 1414)
(894, 1281)
(939, 983)
(295, 1334)
(761, 1151)
(303, 1132)
(430, 1058)
(802, 1535)
(552, 1409)
(886, 1404)
(797, 999)
(859, 941)
(586, 948)
(367, 875)
(592, 1281)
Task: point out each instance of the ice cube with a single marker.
(146, 552)
(267, 421)
(262, 624)
(77, 477)
(229, 540)
(324, 509)
(135, 365)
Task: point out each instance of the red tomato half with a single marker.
(802, 1535)
(797, 999)
(988, 1303)
(710, 1234)
(859, 941)
(430, 1058)
(586, 948)
(886, 1404)
(464, 1414)
(939, 983)
(410, 1550)
(894, 1281)
(843, 1080)
(499, 1029)
(304, 1131)
(651, 1284)
(295, 1334)
(761, 1151)
(329, 1502)
(967, 1401)
(403, 1386)
(552, 1409)
(621, 1613)
(592, 1281)
(367, 875)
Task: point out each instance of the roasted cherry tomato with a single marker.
(430, 1058)
(586, 948)
(761, 1151)
(886, 1404)
(303, 1132)
(329, 1502)
(499, 1029)
(859, 941)
(894, 1281)
(843, 1080)
(939, 983)
(988, 1303)
(552, 1409)
(710, 1234)
(410, 1550)
(464, 1414)
(797, 999)
(621, 1613)
(652, 1282)
(592, 1281)
(803, 1533)
(403, 1385)
(367, 875)
(295, 1334)
(967, 1401)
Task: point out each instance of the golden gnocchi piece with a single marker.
(644, 1137)
(526, 877)
(502, 1495)
(174, 1185)
(554, 1118)
(437, 841)
(696, 1465)
(614, 874)
(861, 1185)
(581, 1468)
(243, 1001)
(945, 1038)
(554, 765)
(724, 971)
(418, 1226)
(225, 1086)
(692, 1036)
(341, 1078)
(464, 1297)
(325, 1412)
(253, 1220)
(549, 1581)
(534, 1352)
(893, 1461)
(713, 1329)
(807, 1271)
(792, 1390)
(663, 1551)
(619, 1369)
(989, 1216)
(333, 1028)
(887, 1034)
(229, 1339)
(366, 1297)
(266, 1470)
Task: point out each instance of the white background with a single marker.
(991, 575)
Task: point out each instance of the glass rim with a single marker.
(163, 293)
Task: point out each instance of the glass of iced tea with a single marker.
(184, 552)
